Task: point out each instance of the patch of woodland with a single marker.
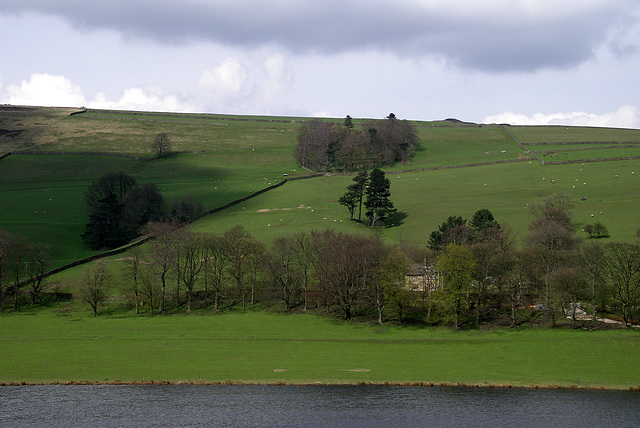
(326, 146)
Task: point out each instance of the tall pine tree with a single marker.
(379, 206)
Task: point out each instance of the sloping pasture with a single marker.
(224, 158)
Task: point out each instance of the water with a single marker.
(312, 406)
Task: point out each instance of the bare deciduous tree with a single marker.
(95, 285)
(150, 289)
(237, 251)
(283, 269)
(163, 253)
(39, 258)
(190, 250)
(622, 273)
(131, 274)
(215, 267)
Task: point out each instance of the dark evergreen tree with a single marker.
(348, 122)
(451, 231)
(118, 209)
(104, 227)
(349, 201)
(378, 204)
(355, 194)
(482, 220)
(481, 223)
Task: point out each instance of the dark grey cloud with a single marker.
(507, 35)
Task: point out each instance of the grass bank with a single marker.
(65, 346)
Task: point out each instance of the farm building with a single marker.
(423, 277)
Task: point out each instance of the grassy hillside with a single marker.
(222, 158)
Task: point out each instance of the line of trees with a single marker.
(475, 272)
(325, 271)
(481, 274)
(324, 146)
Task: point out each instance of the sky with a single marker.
(569, 62)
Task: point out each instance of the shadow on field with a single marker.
(396, 219)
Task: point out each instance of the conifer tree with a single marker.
(355, 194)
(378, 204)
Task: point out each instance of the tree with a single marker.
(588, 229)
(116, 184)
(343, 266)
(481, 222)
(150, 288)
(494, 259)
(379, 206)
(118, 208)
(238, 244)
(551, 239)
(104, 229)
(348, 122)
(304, 254)
(38, 255)
(515, 282)
(452, 231)
(161, 144)
(255, 259)
(353, 154)
(163, 252)
(622, 275)
(456, 265)
(556, 208)
(131, 274)
(5, 244)
(592, 261)
(140, 205)
(314, 140)
(185, 210)
(387, 278)
(18, 257)
(190, 259)
(284, 269)
(355, 194)
(95, 285)
(596, 230)
(350, 202)
(600, 230)
(215, 266)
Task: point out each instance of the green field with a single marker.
(55, 346)
(458, 170)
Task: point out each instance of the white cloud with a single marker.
(224, 81)
(322, 114)
(278, 79)
(148, 99)
(60, 91)
(44, 90)
(625, 117)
